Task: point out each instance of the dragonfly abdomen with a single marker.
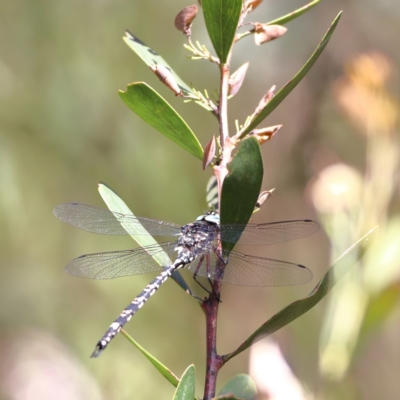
(132, 309)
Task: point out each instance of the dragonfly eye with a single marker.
(211, 217)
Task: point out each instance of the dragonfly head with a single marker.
(211, 217)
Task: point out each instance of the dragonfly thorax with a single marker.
(197, 238)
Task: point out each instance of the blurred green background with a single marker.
(63, 128)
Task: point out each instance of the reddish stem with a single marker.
(214, 361)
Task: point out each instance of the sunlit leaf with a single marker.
(187, 384)
(115, 203)
(161, 368)
(285, 90)
(242, 186)
(154, 109)
(221, 18)
(151, 57)
(300, 307)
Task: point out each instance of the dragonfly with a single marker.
(197, 247)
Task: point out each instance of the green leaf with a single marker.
(222, 18)
(285, 90)
(154, 109)
(294, 14)
(300, 307)
(151, 57)
(241, 386)
(186, 387)
(241, 187)
(115, 203)
(161, 368)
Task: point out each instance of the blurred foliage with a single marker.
(349, 202)
(63, 128)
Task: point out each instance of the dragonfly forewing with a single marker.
(104, 222)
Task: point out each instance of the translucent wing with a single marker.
(241, 269)
(269, 233)
(98, 220)
(247, 270)
(115, 264)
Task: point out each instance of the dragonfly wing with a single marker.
(269, 233)
(115, 264)
(247, 270)
(99, 220)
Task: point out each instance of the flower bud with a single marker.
(164, 74)
(236, 79)
(266, 33)
(209, 152)
(183, 21)
(251, 4)
(264, 134)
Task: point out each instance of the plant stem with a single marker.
(223, 104)
(211, 304)
(221, 170)
(214, 361)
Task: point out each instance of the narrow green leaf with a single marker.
(164, 371)
(151, 57)
(285, 90)
(241, 187)
(241, 386)
(222, 18)
(115, 203)
(155, 110)
(294, 14)
(296, 309)
(186, 386)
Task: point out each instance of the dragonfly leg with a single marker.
(195, 275)
(217, 295)
(200, 263)
(220, 257)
